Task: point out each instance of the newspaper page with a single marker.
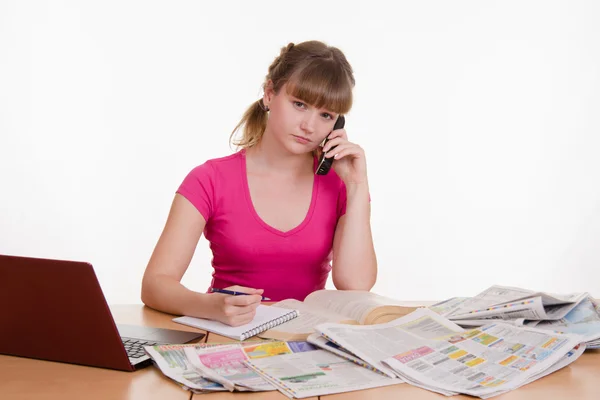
(486, 361)
(532, 308)
(172, 362)
(447, 307)
(225, 364)
(472, 323)
(334, 348)
(583, 320)
(374, 343)
(317, 373)
(558, 311)
(503, 302)
(491, 296)
(568, 358)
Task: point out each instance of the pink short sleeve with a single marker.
(198, 187)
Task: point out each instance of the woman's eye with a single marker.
(299, 104)
(327, 116)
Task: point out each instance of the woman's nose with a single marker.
(308, 123)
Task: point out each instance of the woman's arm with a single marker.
(161, 286)
(354, 260)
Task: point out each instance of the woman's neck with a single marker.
(265, 157)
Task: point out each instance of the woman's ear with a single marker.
(268, 93)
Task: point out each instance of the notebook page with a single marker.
(264, 315)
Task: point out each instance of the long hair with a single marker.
(316, 73)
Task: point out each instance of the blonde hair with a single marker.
(315, 73)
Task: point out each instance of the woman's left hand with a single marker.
(349, 158)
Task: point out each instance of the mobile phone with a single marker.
(325, 163)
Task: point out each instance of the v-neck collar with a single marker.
(307, 217)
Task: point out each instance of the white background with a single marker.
(480, 121)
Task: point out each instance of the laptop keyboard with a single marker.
(135, 347)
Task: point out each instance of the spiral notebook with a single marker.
(266, 318)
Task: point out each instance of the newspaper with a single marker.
(317, 373)
(373, 343)
(225, 364)
(583, 320)
(334, 348)
(532, 308)
(489, 297)
(571, 313)
(510, 303)
(173, 363)
(487, 361)
(447, 307)
(567, 359)
(472, 323)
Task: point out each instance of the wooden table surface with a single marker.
(22, 378)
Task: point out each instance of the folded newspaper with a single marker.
(317, 373)
(204, 368)
(172, 362)
(571, 313)
(487, 362)
(225, 364)
(431, 352)
(297, 369)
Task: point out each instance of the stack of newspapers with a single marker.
(572, 313)
(429, 351)
(424, 348)
(308, 371)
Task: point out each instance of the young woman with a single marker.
(276, 229)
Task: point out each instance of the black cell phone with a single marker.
(325, 163)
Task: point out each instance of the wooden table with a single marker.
(22, 378)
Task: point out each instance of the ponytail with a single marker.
(254, 123)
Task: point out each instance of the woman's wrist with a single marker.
(357, 190)
(198, 305)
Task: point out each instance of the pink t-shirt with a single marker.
(249, 252)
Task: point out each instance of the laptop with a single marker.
(55, 310)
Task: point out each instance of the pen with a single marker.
(234, 293)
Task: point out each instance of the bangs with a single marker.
(322, 84)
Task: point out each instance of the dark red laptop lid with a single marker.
(55, 310)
